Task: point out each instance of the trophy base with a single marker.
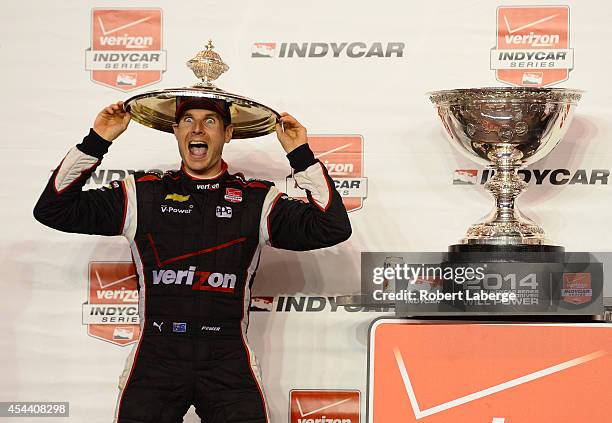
(536, 253)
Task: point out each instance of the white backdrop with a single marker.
(50, 101)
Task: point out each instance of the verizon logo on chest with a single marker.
(198, 280)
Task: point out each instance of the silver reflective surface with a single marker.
(505, 129)
(156, 109)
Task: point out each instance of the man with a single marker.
(195, 236)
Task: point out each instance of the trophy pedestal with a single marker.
(533, 253)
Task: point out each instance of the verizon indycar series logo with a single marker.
(532, 45)
(324, 406)
(111, 310)
(126, 48)
(352, 50)
(537, 176)
(342, 155)
(577, 288)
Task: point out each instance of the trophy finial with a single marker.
(207, 66)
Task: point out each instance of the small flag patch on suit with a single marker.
(179, 327)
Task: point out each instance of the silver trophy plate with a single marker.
(156, 109)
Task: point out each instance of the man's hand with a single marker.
(111, 122)
(293, 135)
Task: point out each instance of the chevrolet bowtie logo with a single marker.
(177, 197)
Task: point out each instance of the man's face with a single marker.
(201, 135)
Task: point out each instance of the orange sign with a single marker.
(126, 48)
(342, 155)
(489, 373)
(323, 406)
(111, 313)
(532, 45)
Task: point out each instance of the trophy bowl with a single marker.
(505, 129)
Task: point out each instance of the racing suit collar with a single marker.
(222, 172)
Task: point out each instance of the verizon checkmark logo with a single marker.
(528, 25)
(103, 285)
(120, 27)
(324, 406)
(333, 150)
(318, 410)
(419, 414)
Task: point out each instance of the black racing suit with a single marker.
(195, 245)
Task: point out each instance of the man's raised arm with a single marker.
(292, 224)
(63, 205)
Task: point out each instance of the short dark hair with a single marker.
(220, 106)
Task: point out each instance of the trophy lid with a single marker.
(156, 109)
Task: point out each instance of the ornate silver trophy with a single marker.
(156, 109)
(506, 129)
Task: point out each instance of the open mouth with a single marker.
(198, 149)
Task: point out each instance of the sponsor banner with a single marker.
(351, 50)
(126, 48)
(483, 382)
(537, 176)
(324, 406)
(308, 304)
(342, 155)
(347, 187)
(111, 310)
(532, 45)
